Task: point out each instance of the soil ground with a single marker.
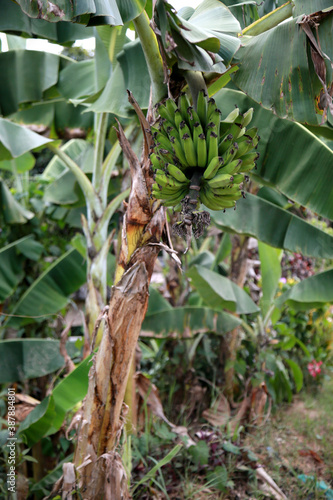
(294, 447)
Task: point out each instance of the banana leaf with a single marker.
(130, 9)
(277, 71)
(19, 165)
(48, 416)
(311, 293)
(12, 258)
(25, 76)
(270, 274)
(59, 116)
(51, 291)
(310, 6)
(11, 210)
(292, 158)
(275, 226)
(219, 292)
(177, 319)
(84, 12)
(16, 140)
(22, 359)
(15, 21)
(205, 39)
(114, 98)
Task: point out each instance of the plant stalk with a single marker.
(102, 122)
(196, 82)
(271, 20)
(152, 56)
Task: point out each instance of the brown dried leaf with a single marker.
(149, 394)
(258, 402)
(219, 414)
(311, 453)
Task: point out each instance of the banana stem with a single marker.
(271, 20)
(102, 121)
(196, 82)
(152, 56)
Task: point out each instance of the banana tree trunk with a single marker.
(99, 469)
(238, 276)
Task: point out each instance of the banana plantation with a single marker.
(166, 249)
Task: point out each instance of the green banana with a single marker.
(220, 180)
(196, 144)
(167, 181)
(202, 107)
(225, 143)
(171, 106)
(230, 153)
(214, 165)
(213, 147)
(238, 178)
(164, 113)
(177, 173)
(189, 149)
(228, 190)
(178, 149)
(183, 105)
(247, 116)
(202, 150)
(178, 118)
(231, 168)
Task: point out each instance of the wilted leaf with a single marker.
(219, 413)
(149, 393)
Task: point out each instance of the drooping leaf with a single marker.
(85, 11)
(270, 274)
(130, 9)
(50, 292)
(11, 210)
(304, 175)
(48, 417)
(16, 140)
(59, 116)
(78, 80)
(205, 39)
(276, 70)
(310, 293)
(277, 227)
(26, 75)
(114, 98)
(69, 392)
(177, 319)
(15, 21)
(309, 6)
(219, 292)
(22, 359)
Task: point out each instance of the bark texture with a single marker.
(238, 276)
(100, 473)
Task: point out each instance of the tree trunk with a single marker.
(100, 473)
(238, 276)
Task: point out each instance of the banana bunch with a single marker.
(199, 157)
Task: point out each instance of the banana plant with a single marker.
(187, 45)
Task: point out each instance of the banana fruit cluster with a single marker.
(199, 158)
